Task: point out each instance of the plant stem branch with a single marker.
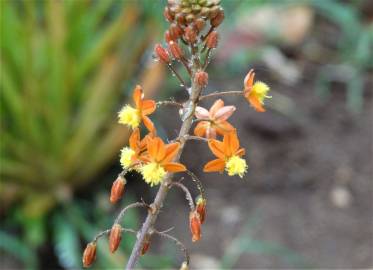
(225, 93)
(173, 71)
(177, 242)
(170, 102)
(124, 210)
(188, 196)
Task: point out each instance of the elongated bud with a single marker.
(212, 40)
(190, 35)
(167, 36)
(145, 246)
(218, 19)
(184, 266)
(175, 31)
(180, 19)
(117, 189)
(201, 208)
(201, 78)
(162, 53)
(195, 225)
(167, 14)
(115, 237)
(89, 254)
(200, 24)
(175, 49)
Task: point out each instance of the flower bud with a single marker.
(200, 24)
(162, 53)
(201, 208)
(117, 189)
(195, 225)
(201, 78)
(175, 31)
(180, 19)
(175, 49)
(190, 35)
(184, 266)
(167, 36)
(212, 40)
(89, 254)
(167, 14)
(218, 19)
(145, 246)
(115, 237)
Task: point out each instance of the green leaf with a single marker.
(66, 243)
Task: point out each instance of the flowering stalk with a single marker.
(188, 42)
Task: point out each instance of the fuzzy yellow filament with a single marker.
(236, 165)
(153, 173)
(260, 91)
(126, 157)
(129, 116)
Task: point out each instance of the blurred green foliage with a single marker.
(63, 67)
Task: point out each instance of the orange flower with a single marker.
(228, 153)
(130, 155)
(132, 117)
(158, 161)
(216, 120)
(255, 93)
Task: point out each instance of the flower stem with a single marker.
(217, 94)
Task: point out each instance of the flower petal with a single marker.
(134, 139)
(249, 80)
(224, 113)
(215, 107)
(211, 133)
(200, 129)
(217, 148)
(174, 167)
(148, 123)
(148, 107)
(240, 152)
(156, 149)
(231, 143)
(171, 151)
(201, 113)
(224, 128)
(216, 165)
(138, 96)
(254, 101)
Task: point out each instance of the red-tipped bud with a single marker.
(175, 31)
(212, 40)
(180, 19)
(89, 254)
(175, 49)
(117, 189)
(195, 225)
(218, 19)
(200, 24)
(145, 246)
(162, 53)
(167, 14)
(167, 36)
(190, 35)
(201, 78)
(201, 208)
(115, 237)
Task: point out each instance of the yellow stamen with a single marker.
(153, 173)
(260, 90)
(126, 157)
(129, 116)
(236, 165)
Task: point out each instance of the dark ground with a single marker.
(307, 194)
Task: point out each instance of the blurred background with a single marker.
(306, 202)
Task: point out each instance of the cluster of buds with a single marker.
(191, 37)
